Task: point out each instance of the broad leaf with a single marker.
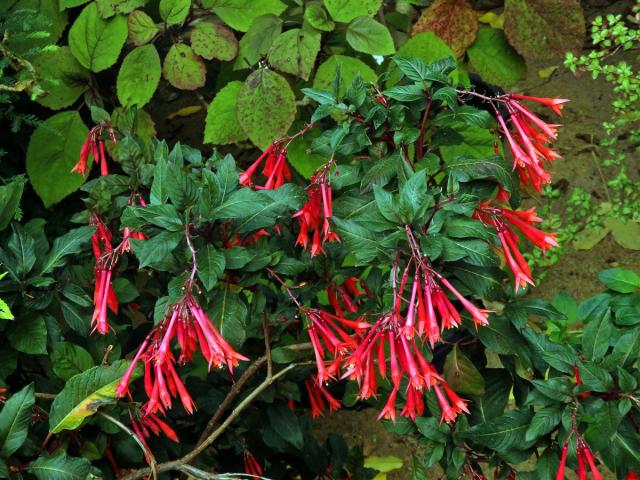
(366, 35)
(138, 76)
(53, 150)
(29, 335)
(258, 40)
(183, 69)
(503, 434)
(266, 107)
(84, 394)
(211, 263)
(461, 374)
(142, 28)
(68, 244)
(10, 195)
(349, 68)
(620, 280)
(174, 12)
(239, 14)
(221, 125)
(295, 51)
(95, 42)
(346, 10)
(60, 467)
(68, 360)
(15, 419)
(495, 60)
(63, 79)
(214, 41)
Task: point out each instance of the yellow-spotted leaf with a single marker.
(84, 393)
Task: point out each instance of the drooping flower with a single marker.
(251, 465)
(504, 220)
(105, 256)
(584, 456)
(319, 397)
(191, 327)
(94, 145)
(528, 136)
(314, 217)
(129, 234)
(275, 169)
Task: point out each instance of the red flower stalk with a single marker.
(94, 145)
(251, 465)
(128, 234)
(314, 216)
(275, 168)
(320, 398)
(186, 322)
(342, 297)
(584, 457)
(528, 136)
(106, 257)
(504, 220)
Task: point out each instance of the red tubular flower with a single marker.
(275, 168)
(528, 136)
(563, 461)
(504, 221)
(251, 465)
(95, 145)
(320, 398)
(103, 296)
(186, 322)
(632, 476)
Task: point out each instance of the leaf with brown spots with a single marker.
(454, 21)
(183, 69)
(544, 29)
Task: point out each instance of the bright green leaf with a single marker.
(366, 35)
(174, 12)
(346, 10)
(142, 28)
(139, 76)
(212, 40)
(62, 78)
(495, 60)
(183, 69)
(295, 51)
(221, 125)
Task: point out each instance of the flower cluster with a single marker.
(147, 424)
(191, 327)
(319, 397)
(106, 257)
(94, 145)
(504, 220)
(315, 214)
(275, 169)
(527, 134)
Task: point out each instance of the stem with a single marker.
(202, 446)
(423, 128)
(194, 269)
(153, 468)
(287, 289)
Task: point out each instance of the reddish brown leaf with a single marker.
(544, 29)
(454, 21)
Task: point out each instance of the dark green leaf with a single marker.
(15, 419)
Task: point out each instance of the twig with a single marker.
(423, 128)
(267, 345)
(153, 469)
(202, 446)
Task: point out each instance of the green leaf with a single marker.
(276, 203)
(405, 93)
(157, 252)
(497, 386)
(239, 14)
(211, 263)
(594, 377)
(494, 168)
(163, 216)
(68, 244)
(212, 40)
(68, 360)
(183, 69)
(174, 12)
(542, 29)
(366, 35)
(10, 195)
(596, 336)
(466, 114)
(60, 467)
(349, 68)
(286, 424)
(142, 28)
(620, 280)
(383, 464)
(503, 434)
(625, 233)
(300, 156)
(15, 419)
(346, 10)
(461, 374)
(139, 76)
(5, 311)
(96, 43)
(221, 125)
(229, 313)
(427, 47)
(364, 243)
(109, 8)
(295, 51)
(53, 150)
(22, 246)
(495, 60)
(84, 393)
(317, 17)
(543, 422)
(29, 335)
(433, 430)
(266, 107)
(62, 78)
(258, 40)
